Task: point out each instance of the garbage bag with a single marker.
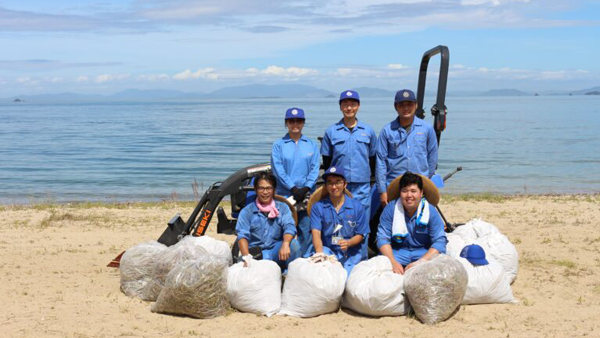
(487, 283)
(373, 289)
(255, 288)
(482, 228)
(436, 288)
(455, 245)
(499, 247)
(313, 287)
(173, 256)
(196, 288)
(215, 247)
(137, 265)
(466, 232)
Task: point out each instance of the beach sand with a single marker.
(55, 282)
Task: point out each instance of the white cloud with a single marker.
(153, 77)
(110, 77)
(206, 73)
(288, 72)
(82, 78)
(396, 66)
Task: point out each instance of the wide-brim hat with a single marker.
(430, 191)
(292, 208)
(318, 195)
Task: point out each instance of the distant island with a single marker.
(505, 92)
(593, 93)
(18, 100)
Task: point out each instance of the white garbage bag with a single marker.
(488, 283)
(196, 288)
(137, 265)
(482, 228)
(313, 287)
(503, 251)
(455, 245)
(436, 288)
(255, 288)
(215, 247)
(466, 232)
(373, 289)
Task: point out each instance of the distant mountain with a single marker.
(585, 91)
(593, 93)
(268, 91)
(505, 92)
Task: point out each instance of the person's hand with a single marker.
(299, 193)
(397, 268)
(284, 252)
(413, 264)
(384, 199)
(343, 244)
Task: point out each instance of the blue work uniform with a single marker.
(399, 151)
(354, 221)
(419, 239)
(296, 164)
(267, 233)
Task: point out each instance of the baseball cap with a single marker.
(336, 171)
(349, 94)
(294, 113)
(474, 254)
(405, 95)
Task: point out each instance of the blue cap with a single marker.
(405, 95)
(294, 113)
(474, 254)
(337, 171)
(349, 94)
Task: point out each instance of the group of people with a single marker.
(402, 159)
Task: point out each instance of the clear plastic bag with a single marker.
(196, 288)
(436, 288)
(373, 289)
(255, 288)
(137, 265)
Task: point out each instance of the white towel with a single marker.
(399, 229)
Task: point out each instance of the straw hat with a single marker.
(430, 191)
(318, 195)
(292, 208)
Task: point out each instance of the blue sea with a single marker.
(151, 151)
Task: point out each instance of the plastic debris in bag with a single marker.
(196, 288)
(487, 283)
(255, 288)
(215, 247)
(436, 288)
(174, 255)
(373, 289)
(137, 265)
(503, 251)
(455, 245)
(313, 286)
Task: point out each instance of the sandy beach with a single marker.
(55, 282)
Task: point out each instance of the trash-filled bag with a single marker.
(482, 228)
(373, 289)
(313, 286)
(174, 256)
(136, 267)
(436, 288)
(196, 288)
(488, 283)
(466, 232)
(215, 247)
(455, 245)
(503, 251)
(255, 288)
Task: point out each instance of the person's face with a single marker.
(411, 196)
(294, 125)
(335, 186)
(265, 192)
(349, 108)
(406, 110)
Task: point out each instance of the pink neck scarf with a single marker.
(270, 208)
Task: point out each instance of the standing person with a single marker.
(406, 144)
(268, 225)
(338, 222)
(295, 164)
(351, 145)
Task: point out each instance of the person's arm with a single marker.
(243, 245)
(386, 250)
(278, 167)
(284, 252)
(355, 240)
(242, 228)
(327, 162)
(436, 233)
(432, 152)
(381, 166)
(316, 217)
(313, 174)
(316, 239)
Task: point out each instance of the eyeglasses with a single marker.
(295, 121)
(338, 184)
(263, 189)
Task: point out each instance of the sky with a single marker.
(102, 47)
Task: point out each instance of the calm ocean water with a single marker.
(147, 151)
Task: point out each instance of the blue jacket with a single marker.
(430, 236)
(294, 164)
(324, 217)
(351, 149)
(261, 231)
(398, 152)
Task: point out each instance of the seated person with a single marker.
(410, 227)
(338, 222)
(268, 224)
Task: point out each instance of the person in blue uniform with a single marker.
(338, 222)
(295, 164)
(410, 227)
(406, 144)
(267, 224)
